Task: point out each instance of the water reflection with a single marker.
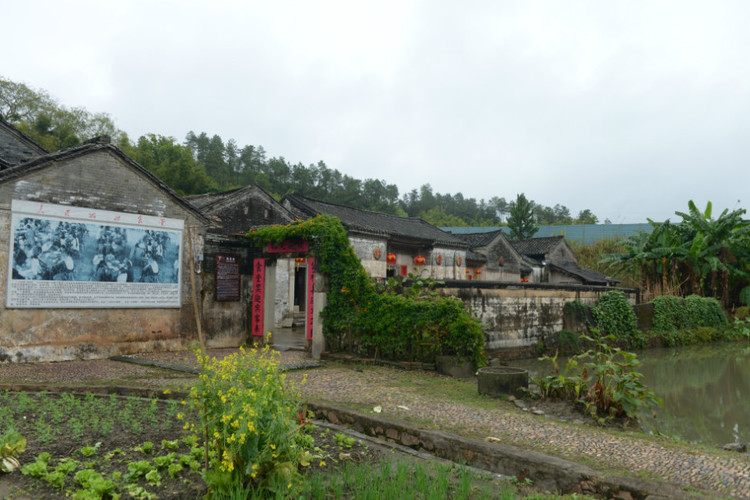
(705, 388)
(706, 392)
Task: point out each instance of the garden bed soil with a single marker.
(119, 446)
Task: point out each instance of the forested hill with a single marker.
(204, 163)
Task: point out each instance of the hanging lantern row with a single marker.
(299, 260)
(419, 260)
(390, 258)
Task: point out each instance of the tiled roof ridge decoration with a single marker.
(376, 222)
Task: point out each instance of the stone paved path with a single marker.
(411, 394)
(728, 474)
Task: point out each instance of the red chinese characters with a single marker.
(310, 296)
(259, 287)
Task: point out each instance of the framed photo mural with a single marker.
(74, 257)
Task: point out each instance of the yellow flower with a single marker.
(273, 446)
(167, 391)
(322, 464)
(186, 426)
(180, 416)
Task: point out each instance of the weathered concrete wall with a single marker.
(519, 316)
(100, 180)
(364, 248)
(225, 323)
(448, 268)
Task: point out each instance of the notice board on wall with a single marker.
(228, 279)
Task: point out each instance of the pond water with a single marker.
(705, 388)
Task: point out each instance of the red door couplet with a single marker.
(310, 290)
(259, 290)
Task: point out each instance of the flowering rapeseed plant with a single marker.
(250, 422)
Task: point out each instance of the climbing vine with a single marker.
(360, 319)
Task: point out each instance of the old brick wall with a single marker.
(100, 180)
(518, 316)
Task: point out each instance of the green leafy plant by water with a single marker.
(379, 321)
(603, 380)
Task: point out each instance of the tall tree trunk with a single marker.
(714, 284)
(724, 257)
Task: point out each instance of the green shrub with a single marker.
(742, 313)
(613, 315)
(675, 313)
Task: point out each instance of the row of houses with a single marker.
(99, 257)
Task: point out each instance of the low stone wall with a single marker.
(547, 472)
(519, 316)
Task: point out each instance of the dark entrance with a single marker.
(300, 291)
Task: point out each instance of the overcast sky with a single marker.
(629, 108)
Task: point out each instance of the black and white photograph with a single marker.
(126, 260)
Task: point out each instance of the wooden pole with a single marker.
(192, 283)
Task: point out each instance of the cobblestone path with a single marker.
(723, 472)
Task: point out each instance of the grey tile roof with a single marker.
(204, 200)
(537, 246)
(479, 239)
(16, 147)
(238, 210)
(472, 256)
(588, 276)
(393, 226)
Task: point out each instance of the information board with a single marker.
(228, 278)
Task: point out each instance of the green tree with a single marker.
(701, 255)
(521, 219)
(171, 162)
(586, 217)
(53, 126)
(437, 217)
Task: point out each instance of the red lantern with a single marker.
(299, 260)
(390, 258)
(468, 271)
(419, 260)
(439, 259)
(477, 271)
